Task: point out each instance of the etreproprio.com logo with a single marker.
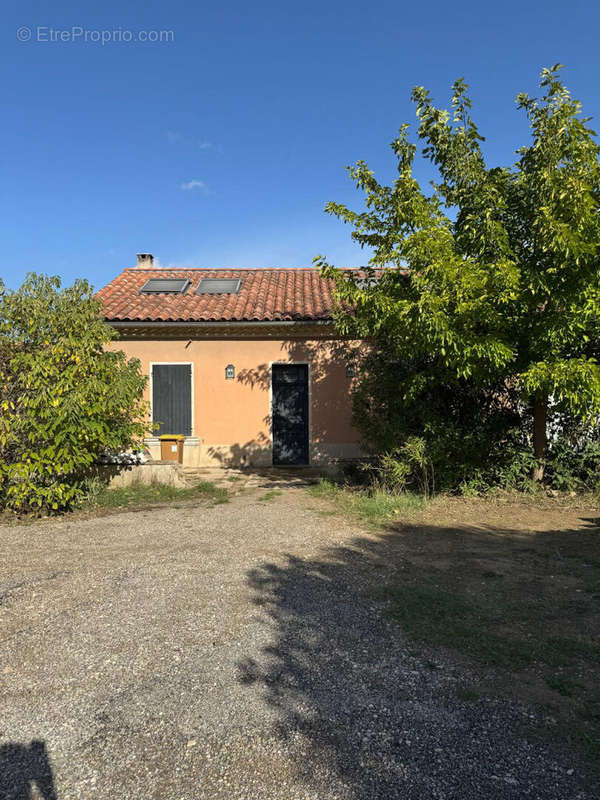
(77, 33)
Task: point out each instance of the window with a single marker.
(219, 286)
(172, 398)
(367, 283)
(165, 286)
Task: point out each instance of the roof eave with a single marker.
(235, 329)
(163, 323)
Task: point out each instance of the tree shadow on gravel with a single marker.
(21, 768)
(369, 714)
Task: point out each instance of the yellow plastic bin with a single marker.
(171, 448)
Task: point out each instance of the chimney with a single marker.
(145, 260)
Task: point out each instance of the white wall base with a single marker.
(119, 477)
(198, 454)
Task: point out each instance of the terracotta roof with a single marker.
(265, 295)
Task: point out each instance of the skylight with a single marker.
(165, 286)
(367, 283)
(219, 286)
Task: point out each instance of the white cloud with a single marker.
(187, 263)
(176, 137)
(189, 186)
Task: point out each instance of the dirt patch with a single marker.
(515, 588)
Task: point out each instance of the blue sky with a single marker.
(221, 147)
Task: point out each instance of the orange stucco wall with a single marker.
(231, 418)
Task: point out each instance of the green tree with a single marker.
(496, 270)
(64, 397)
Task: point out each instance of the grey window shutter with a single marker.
(172, 398)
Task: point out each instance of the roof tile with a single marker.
(267, 295)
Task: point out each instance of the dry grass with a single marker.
(373, 508)
(147, 494)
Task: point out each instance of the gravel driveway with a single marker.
(235, 651)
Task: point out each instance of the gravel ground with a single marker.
(230, 652)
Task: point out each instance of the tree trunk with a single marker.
(540, 436)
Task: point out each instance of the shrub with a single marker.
(64, 397)
(436, 426)
(573, 462)
(407, 467)
(426, 430)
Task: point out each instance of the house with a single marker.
(245, 363)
